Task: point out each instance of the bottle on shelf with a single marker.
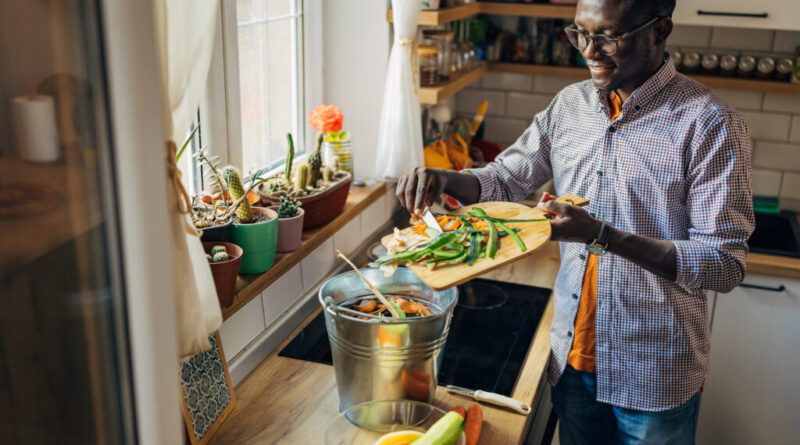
(765, 68)
(709, 64)
(747, 66)
(783, 69)
(727, 65)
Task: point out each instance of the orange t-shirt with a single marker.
(582, 355)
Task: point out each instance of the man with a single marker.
(666, 166)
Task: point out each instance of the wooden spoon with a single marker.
(377, 293)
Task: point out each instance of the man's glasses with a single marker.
(607, 45)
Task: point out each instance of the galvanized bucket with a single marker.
(389, 358)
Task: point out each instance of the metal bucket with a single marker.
(385, 359)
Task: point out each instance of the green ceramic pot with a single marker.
(258, 242)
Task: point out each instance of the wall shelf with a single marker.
(433, 95)
(447, 15)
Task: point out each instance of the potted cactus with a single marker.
(255, 229)
(224, 260)
(290, 224)
(321, 189)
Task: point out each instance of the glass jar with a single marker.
(747, 65)
(709, 64)
(727, 65)
(783, 69)
(765, 68)
(428, 65)
(339, 153)
(444, 41)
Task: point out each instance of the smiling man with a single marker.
(666, 166)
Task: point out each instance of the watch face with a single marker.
(596, 249)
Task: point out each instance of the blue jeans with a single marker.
(583, 420)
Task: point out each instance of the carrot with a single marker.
(472, 424)
(460, 410)
(366, 306)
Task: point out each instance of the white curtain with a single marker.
(400, 134)
(185, 31)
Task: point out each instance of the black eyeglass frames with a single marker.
(608, 45)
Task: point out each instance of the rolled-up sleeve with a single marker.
(720, 207)
(523, 167)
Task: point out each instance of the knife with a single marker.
(491, 397)
(430, 220)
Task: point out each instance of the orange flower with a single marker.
(326, 118)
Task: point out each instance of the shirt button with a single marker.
(637, 108)
(599, 173)
(582, 256)
(569, 333)
(574, 296)
(612, 129)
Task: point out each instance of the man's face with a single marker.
(634, 59)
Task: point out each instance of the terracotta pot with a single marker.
(322, 207)
(290, 231)
(258, 242)
(225, 272)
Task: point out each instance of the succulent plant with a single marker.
(209, 258)
(301, 177)
(287, 169)
(327, 174)
(220, 257)
(244, 211)
(315, 163)
(288, 208)
(218, 248)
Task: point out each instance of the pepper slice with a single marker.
(491, 246)
(475, 245)
(513, 236)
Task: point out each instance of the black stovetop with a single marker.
(491, 331)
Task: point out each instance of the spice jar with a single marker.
(444, 42)
(691, 63)
(709, 63)
(727, 65)
(783, 69)
(765, 68)
(428, 65)
(747, 65)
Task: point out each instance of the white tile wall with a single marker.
(786, 41)
(694, 36)
(507, 81)
(469, 100)
(782, 102)
(741, 100)
(524, 105)
(791, 186)
(551, 85)
(777, 156)
(317, 264)
(766, 182)
(769, 126)
(795, 136)
(281, 294)
(349, 236)
(373, 217)
(241, 328)
(504, 130)
(742, 39)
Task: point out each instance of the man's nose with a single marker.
(592, 51)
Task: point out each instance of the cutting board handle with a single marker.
(571, 198)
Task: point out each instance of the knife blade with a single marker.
(491, 397)
(430, 220)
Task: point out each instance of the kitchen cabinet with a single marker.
(766, 14)
(751, 393)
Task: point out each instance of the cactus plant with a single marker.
(209, 258)
(327, 174)
(244, 212)
(301, 176)
(220, 257)
(288, 208)
(315, 162)
(217, 249)
(287, 169)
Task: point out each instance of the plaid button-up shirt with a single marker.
(674, 166)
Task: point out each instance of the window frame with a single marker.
(220, 117)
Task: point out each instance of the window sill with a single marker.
(249, 287)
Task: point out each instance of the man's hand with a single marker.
(569, 222)
(421, 186)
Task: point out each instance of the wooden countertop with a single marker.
(291, 401)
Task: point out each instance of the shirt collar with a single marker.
(648, 89)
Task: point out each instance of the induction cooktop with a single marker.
(490, 333)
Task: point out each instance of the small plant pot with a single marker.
(322, 207)
(258, 241)
(290, 231)
(219, 234)
(225, 273)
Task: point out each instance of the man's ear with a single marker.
(663, 29)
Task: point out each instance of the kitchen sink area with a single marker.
(776, 234)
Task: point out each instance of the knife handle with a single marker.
(501, 400)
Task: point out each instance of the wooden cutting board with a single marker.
(534, 234)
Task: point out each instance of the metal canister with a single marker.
(709, 64)
(727, 65)
(379, 358)
(677, 58)
(783, 69)
(765, 68)
(691, 62)
(747, 65)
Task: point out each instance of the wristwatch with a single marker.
(600, 244)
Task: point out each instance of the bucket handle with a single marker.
(333, 309)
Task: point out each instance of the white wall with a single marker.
(355, 55)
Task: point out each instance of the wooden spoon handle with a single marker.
(377, 293)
